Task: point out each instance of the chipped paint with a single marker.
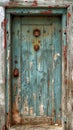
(16, 116)
(31, 111)
(47, 12)
(69, 15)
(65, 58)
(35, 3)
(41, 109)
(72, 75)
(56, 56)
(3, 24)
(4, 127)
(34, 96)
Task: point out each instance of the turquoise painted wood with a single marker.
(39, 10)
(37, 89)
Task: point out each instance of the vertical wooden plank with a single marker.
(7, 71)
(16, 63)
(7, 68)
(31, 97)
(47, 69)
(25, 70)
(40, 76)
(24, 53)
(64, 70)
(40, 71)
(53, 97)
(33, 73)
(44, 80)
(69, 83)
(57, 68)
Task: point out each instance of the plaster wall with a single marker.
(69, 125)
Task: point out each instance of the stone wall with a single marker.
(2, 86)
(2, 65)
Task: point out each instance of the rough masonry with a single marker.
(68, 57)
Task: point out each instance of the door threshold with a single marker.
(36, 127)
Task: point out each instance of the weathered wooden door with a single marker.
(36, 69)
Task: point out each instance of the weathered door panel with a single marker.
(16, 94)
(36, 91)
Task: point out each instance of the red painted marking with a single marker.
(12, 3)
(56, 6)
(8, 4)
(65, 50)
(4, 38)
(50, 6)
(65, 56)
(34, 3)
(4, 127)
(65, 81)
(4, 23)
(69, 14)
(47, 12)
(67, 5)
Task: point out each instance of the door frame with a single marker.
(65, 12)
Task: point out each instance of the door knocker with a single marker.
(36, 47)
(36, 44)
(36, 33)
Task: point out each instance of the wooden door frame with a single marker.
(65, 12)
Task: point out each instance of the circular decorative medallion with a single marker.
(36, 47)
(36, 32)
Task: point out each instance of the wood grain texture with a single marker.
(37, 90)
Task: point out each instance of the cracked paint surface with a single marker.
(36, 91)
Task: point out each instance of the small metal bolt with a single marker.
(7, 32)
(16, 61)
(65, 122)
(64, 33)
(28, 31)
